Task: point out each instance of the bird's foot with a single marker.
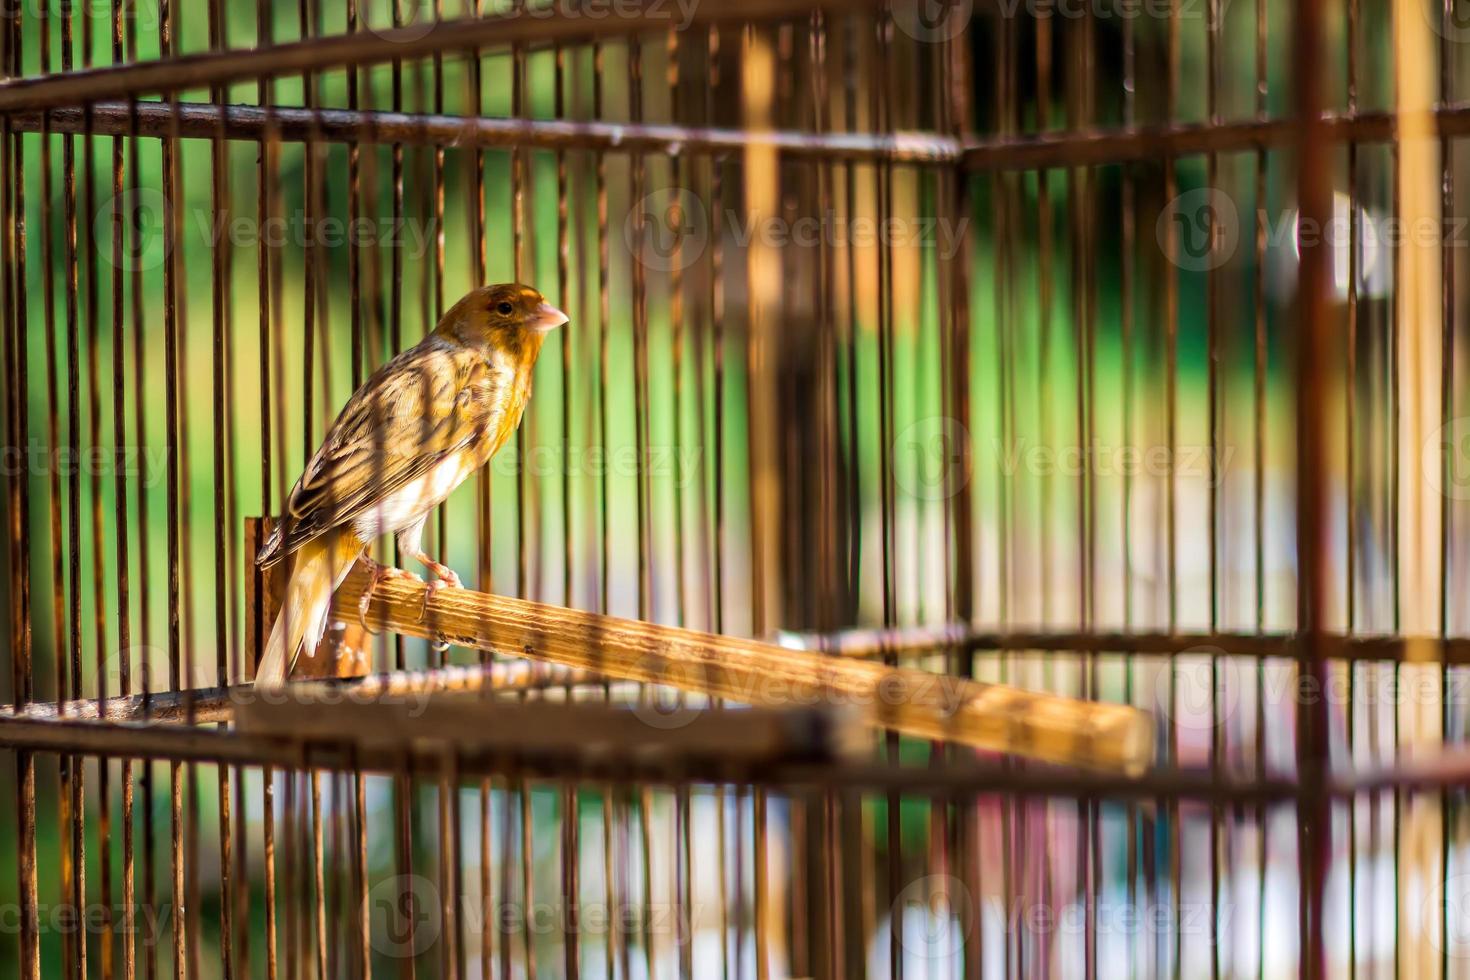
(377, 571)
(444, 577)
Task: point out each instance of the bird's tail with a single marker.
(318, 567)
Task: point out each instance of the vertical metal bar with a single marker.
(450, 844)
(94, 427)
(682, 921)
(14, 242)
(395, 272)
(641, 407)
(616, 947)
(1314, 189)
(1447, 56)
(1216, 409)
(220, 294)
(1127, 288)
(1350, 369)
(272, 412)
(120, 501)
(832, 595)
(882, 118)
(571, 813)
(956, 208)
(716, 300)
(1171, 407)
(75, 766)
(518, 258)
(150, 954)
(1258, 478)
(362, 916)
(1015, 862)
(172, 335)
(403, 807)
(1080, 205)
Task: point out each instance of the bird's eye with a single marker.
(504, 309)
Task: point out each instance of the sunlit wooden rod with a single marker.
(992, 717)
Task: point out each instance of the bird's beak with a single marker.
(547, 317)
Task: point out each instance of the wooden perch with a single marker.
(914, 702)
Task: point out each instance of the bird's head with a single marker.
(508, 316)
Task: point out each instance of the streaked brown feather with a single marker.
(427, 403)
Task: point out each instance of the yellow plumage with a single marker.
(412, 433)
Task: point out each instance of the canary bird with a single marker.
(412, 433)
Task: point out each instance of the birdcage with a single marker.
(991, 512)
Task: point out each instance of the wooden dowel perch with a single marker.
(914, 702)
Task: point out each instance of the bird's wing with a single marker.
(422, 406)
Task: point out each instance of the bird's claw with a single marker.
(444, 578)
(377, 571)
